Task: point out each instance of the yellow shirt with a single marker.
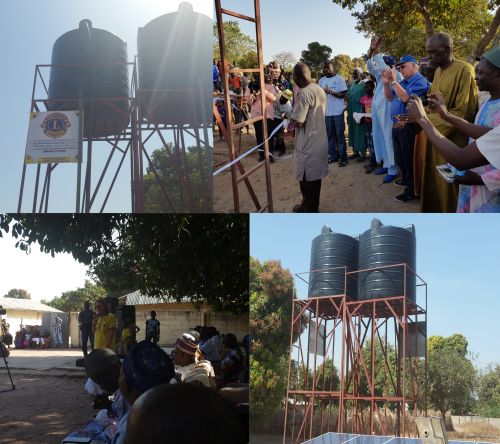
(103, 324)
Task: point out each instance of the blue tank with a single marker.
(175, 62)
(387, 245)
(90, 46)
(333, 250)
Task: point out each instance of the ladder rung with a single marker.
(255, 168)
(240, 16)
(238, 70)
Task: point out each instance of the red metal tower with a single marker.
(358, 366)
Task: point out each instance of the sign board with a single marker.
(320, 341)
(52, 137)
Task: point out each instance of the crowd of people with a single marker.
(142, 393)
(384, 127)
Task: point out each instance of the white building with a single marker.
(26, 312)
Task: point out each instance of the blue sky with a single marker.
(289, 25)
(457, 256)
(28, 29)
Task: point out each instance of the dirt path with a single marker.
(42, 408)
(344, 190)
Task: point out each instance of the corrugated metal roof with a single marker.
(25, 304)
(137, 298)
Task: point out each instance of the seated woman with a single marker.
(232, 362)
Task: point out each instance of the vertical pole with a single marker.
(80, 152)
(88, 176)
(263, 104)
(48, 188)
(289, 368)
(227, 100)
(35, 196)
(343, 371)
(372, 407)
(21, 191)
(405, 340)
(208, 160)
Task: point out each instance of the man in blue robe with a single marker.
(381, 113)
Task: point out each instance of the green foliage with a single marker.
(455, 342)
(17, 293)
(489, 393)
(344, 65)
(200, 257)
(315, 56)
(271, 295)
(249, 60)
(184, 176)
(452, 376)
(73, 300)
(405, 25)
(237, 44)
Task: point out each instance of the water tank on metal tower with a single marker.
(387, 245)
(175, 60)
(107, 78)
(333, 250)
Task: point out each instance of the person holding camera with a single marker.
(403, 136)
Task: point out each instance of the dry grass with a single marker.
(477, 431)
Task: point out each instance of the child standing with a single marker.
(366, 101)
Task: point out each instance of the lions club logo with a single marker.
(55, 125)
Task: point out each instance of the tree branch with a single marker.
(488, 37)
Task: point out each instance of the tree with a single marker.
(249, 60)
(285, 59)
(452, 376)
(17, 293)
(405, 25)
(489, 393)
(171, 256)
(455, 342)
(237, 44)
(73, 300)
(177, 181)
(271, 295)
(343, 65)
(315, 56)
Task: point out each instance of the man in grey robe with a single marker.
(311, 140)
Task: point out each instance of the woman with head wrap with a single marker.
(144, 367)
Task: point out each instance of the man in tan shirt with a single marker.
(311, 141)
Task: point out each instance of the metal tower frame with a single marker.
(238, 173)
(316, 402)
(131, 142)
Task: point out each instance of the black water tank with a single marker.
(175, 61)
(387, 245)
(333, 250)
(91, 46)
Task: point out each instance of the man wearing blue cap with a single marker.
(381, 113)
(403, 136)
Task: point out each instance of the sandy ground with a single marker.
(49, 401)
(43, 408)
(344, 190)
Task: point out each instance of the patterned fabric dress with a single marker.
(483, 198)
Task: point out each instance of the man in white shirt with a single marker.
(335, 89)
